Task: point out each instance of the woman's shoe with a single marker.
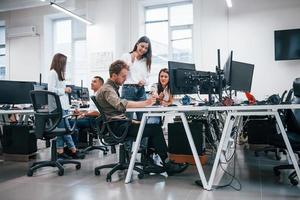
(78, 155)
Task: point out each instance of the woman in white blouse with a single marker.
(139, 62)
(161, 90)
(57, 84)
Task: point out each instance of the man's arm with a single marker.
(140, 104)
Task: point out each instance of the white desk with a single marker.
(234, 113)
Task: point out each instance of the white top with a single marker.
(137, 69)
(57, 86)
(154, 88)
(92, 106)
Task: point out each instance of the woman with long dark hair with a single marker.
(57, 84)
(139, 62)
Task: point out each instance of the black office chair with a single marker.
(47, 115)
(292, 120)
(92, 133)
(111, 137)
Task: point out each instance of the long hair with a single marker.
(159, 85)
(148, 54)
(58, 64)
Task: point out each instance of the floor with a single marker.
(254, 173)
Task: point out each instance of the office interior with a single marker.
(190, 31)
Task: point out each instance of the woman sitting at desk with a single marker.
(161, 91)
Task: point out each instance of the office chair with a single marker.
(92, 133)
(272, 148)
(47, 116)
(111, 137)
(292, 120)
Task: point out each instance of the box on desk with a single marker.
(179, 147)
(18, 140)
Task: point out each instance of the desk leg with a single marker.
(136, 148)
(287, 144)
(226, 130)
(195, 154)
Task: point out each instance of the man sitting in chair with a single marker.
(114, 108)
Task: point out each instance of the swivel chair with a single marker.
(47, 115)
(292, 120)
(114, 137)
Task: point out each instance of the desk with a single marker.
(233, 113)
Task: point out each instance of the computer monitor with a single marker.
(15, 92)
(227, 68)
(84, 94)
(175, 76)
(241, 76)
(40, 86)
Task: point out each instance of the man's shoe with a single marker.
(63, 156)
(174, 168)
(78, 155)
(151, 167)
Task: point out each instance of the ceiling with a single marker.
(8, 5)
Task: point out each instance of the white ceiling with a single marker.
(7, 5)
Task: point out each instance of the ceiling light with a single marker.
(54, 5)
(229, 3)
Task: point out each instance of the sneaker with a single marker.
(78, 155)
(174, 168)
(63, 156)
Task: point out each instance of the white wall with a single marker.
(251, 37)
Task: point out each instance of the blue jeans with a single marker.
(134, 93)
(61, 140)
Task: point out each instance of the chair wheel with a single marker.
(294, 181)
(29, 173)
(140, 175)
(78, 166)
(108, 178)
(60, 172)
(104, 152)
(276, 172)
(97, 172)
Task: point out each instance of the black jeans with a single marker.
(154, 133)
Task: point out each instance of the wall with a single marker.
(251, 37)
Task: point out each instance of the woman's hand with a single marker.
(141, 83)
(68, 90)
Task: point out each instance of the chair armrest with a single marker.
(70, 129)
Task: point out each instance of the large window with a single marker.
(69, 38)
(2, 53)
(169, 28)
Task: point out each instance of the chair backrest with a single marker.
(108, 135)
(293, 115)
(47, 111)
(289, 96)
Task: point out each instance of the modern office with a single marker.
(214, 113)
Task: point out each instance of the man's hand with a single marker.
(141, 83)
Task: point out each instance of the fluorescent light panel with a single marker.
(229, 3)
(54, 5)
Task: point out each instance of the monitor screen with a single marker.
(42, 86)
(287, 44)
(84, 94)
(15, 92)
(227, 68)
(175, 74)
(241, 76)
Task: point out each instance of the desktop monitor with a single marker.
(227, 68)
(84, 94)
(241, 76)
(15, 92)
(176, 70)
(40, 86)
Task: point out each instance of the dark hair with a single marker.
(116, 67)
(159, 85)
(100, 79)
(58, 64)
(147, 55)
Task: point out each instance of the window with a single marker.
(2, 53)
(69, 38)
(169, 28)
